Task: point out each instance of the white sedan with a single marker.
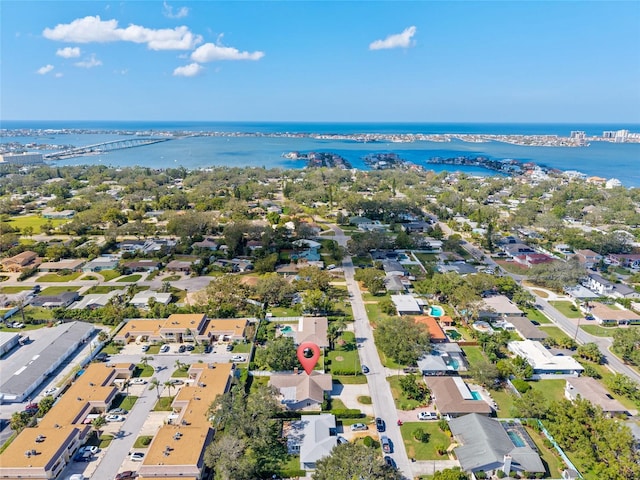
(238, 358)
(50, 391)
(138, 381)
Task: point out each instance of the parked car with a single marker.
(126, 475)
(137, 381)
(51, 391)
(238, 358)
(229, 347)
(342, 440)
(89, 448)
(357, 427)
(389, 461)
(165, 348)
(115, 418)
(137, 456)
(365, 369)
(427, 416)
(31, 408)
(102, 357)
(176, 381)
(380, 425)
(190, 348)
(208, 349)
(181, 349)
(118, 411)
(145, 348)
(386, 444)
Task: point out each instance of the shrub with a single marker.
(368, 441)
(347, 413)
(520, 385)
(420, 435)
(501, 474)
(480, 474)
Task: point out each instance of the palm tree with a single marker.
(126, 384)
(103, 336)
(179, 365)
(145, 360)
(98, 423)
(169, 385)
(154, 383)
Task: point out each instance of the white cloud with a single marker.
(68, 52)
(89, 63)
(167, 11)
(399, 40)
(93, 29)
(59, 75)
(210, 53)
(44, 70)
(190, 70)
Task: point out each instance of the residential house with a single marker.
(223, 329)
(533, 259)
(101, 263)
(208, 243)
(406, 305)
(604, 287)
(394, 268)
(142, 299)
(515, 249)
(592, 390)
(394, 284)
(629, 260)
(312, 437)
(177, 328)
(545, 363)
(299, 391)
(142, 265)
(490, 445)
(436, 334)
(51, 214)
(526, 329)
(95, 300)
(74, 265)
(587, 257)
(416, 226)
(179, 266)
(312, 329)
(63, 300)
(453, 397)
(443, 359)
(21, 261)
(499, 306)
(606, 315)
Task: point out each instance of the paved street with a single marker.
(383, 403)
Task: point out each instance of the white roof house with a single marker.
(543, 361)
(406, 304)
(313, 437)
(141, 299)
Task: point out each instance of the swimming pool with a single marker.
(454, 335)
(436, 311)
(286, 329)
(476, 395)
(515, 438)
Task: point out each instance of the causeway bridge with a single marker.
(103, 147)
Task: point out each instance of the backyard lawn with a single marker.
(550, 459)
(473, 354)
(38, 313)
(554, 332)
(429, 450)
(504, 399)
(552, 390)
(56, 277)
(568, 309)
(599, 331)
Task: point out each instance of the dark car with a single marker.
(31, 408)
(190, 348)
(182, 349)
(389, 461)
(365, 369)
(126, 475)
(208, 349)
(380, 425)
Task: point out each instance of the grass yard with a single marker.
(350, 379)
(291, 468)
(536, 315)
(566, 308)
(504, 399)
(388, 362)
(513, 267)
(56, 277)
(401, 401)
(124, 402)
(9, 290)
(241, 347)
(112, 349)
(550, 459)
(38, 313)
(163, 404)
(374, 313)
(598, 330)
(105, 440)
(554, 332)
(130, 278)
(540, 293)
(552, 390)
(142, 441)
(180, 373)
(109, 275)
(143, 370)
(473, 354)
(425, 451)
(101, 289)
(58, 290)
(284, 312)
(344, 358)
(34, 221)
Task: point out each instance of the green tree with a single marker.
(354, 461)
(278, 355)
(19, 421)
(402, 339)
(591, 352)
(272, 289)
(484, 372)
(372, 279)
(450, 474)
(531, 404)
(414, 388)
(155, 383)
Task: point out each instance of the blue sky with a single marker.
(329, 61)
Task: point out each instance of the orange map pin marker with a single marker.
(308, 355)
